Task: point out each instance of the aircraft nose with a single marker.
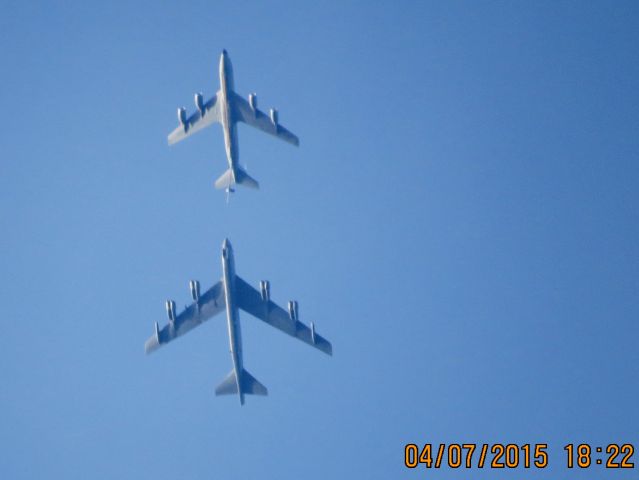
(226, 243)
(224, 52)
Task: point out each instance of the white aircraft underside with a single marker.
(227, 108)
(232, 294)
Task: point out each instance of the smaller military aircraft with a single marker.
(227, 108)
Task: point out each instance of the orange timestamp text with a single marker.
(511, 455)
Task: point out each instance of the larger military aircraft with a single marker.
(227, 108)
(232, 293)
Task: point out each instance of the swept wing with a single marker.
(199, 120)
(209, 304)
(258, 119)
(250, 300)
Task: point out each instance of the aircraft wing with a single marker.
(197, 121)
(250, 300)
(210, 304)
(260, 120)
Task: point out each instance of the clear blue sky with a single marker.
(461, 221)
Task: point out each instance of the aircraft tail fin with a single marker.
(228, 385)
(225, 181)
(250, 385)
(237, 176)
(245, 179)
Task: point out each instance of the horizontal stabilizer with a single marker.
(225, 181)
(237, 176)
(243, 178)
(250, 385)
(228, 385)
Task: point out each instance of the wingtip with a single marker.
(151, 345)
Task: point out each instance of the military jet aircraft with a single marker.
(227, 108)
(232, 293)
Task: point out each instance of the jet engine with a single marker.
(313, 333)
(199, 103)
(253, 101)
(293, 310)
(170, 310)
(273, 115)
(181, 113)
(265, 290)
(194, 285)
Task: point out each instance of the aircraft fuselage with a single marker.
(229, 127)
(232, 314)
